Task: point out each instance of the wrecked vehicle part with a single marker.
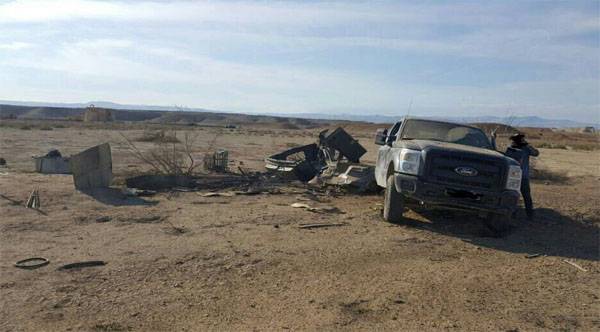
(52, 163)
(303, 162)
(79, 265)
(92, 168)
(343, 142)
(359, 177)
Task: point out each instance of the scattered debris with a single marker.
(79, 265)
(147, 220)
(32, 263)
(224, 194)
(326, 209)
(134, 192)
(33, 202)
(303, 162)
(218, 161)
(103, 219)
(575, 265)
(189, 183)
(308, 226)
(533, 256)
(300, 205)
(92, 168)
(333, 161)
(358, 177)
(343, 142)
(52, 163)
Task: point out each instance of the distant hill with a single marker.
(156, 116)
(42, 110)
(519, 121)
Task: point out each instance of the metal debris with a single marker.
(343, 142)
(52, 163)
(79, 265)
(33, 202)
(218, 161)
(92, 168)
(308, 226)
(303, 162)
(334, 154)
(322, 209)
(575, 265)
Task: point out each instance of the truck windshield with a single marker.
(445, 132)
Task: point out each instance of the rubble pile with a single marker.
(333, 160)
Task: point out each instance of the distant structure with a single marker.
(94, 114)
(590, 130)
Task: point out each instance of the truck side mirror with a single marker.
(380, 136)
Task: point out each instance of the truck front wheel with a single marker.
(393, 204)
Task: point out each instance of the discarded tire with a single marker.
(32, 263)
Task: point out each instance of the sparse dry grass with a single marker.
(158, 136)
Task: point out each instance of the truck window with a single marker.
(445, 132)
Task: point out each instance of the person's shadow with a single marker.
(551, 234)
(115, 197)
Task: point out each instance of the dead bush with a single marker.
(168, 156)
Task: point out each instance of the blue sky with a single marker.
(450, 58)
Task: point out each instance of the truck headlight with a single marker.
(513, 180)
(409, 161)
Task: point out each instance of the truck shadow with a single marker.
(552, 233)
(114, 197)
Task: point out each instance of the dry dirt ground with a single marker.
(183, 262)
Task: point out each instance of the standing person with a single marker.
(520, 150)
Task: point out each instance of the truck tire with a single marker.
(393, 204)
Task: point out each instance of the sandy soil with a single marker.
(180, 261)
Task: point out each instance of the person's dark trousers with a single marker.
(526, 193)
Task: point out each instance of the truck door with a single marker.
(384, 155)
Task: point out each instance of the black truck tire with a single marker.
(393, 204)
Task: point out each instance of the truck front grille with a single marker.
(441, 165)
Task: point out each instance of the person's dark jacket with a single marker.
(521, 153)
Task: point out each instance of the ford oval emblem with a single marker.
(466, 171)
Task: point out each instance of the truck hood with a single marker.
(424, 144)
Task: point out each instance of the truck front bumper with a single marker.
(456, 197)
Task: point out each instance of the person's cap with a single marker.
(517, 137)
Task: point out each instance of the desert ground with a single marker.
(178, 261)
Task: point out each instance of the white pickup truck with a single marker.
(445, 165)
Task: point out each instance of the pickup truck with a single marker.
(445, 165)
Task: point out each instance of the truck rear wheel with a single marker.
(393, 205)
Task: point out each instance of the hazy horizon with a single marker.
(375, 58)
